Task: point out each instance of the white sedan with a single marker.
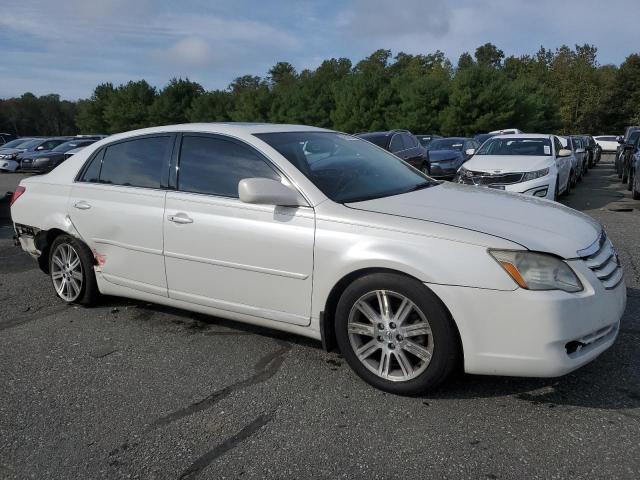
(608, 143)
(410, 277)
(532, 164)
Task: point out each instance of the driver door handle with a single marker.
(82, 205)
(181, 218)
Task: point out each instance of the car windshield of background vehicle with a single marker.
(15, 143)
(345, 168)
(379, 140)
(31, 144)
(516, 146)
(446, 144)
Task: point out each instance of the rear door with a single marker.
(412, 153)
(117, 206)
(223, 253)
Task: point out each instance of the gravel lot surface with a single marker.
(132, 390)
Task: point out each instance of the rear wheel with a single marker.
(395, 334)
(625, 174)
(71, 271)
(635, 190)
(425, 169)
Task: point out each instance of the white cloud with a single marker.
(191, 51)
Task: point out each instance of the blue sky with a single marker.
(69, 46)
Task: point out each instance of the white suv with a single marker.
(409, 276)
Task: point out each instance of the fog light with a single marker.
(541, 192)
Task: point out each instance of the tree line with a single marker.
(563, 91)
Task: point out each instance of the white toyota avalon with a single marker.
(532, 164)
(408, 276)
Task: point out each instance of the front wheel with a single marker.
(395, 334)
(71, 270)
(625, 175)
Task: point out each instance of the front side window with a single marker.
(557, 144)
(516, 146)
(136, 163)
(215, 166)
(351, 169)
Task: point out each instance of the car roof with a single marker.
(523, 135)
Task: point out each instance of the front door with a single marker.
(223, 253)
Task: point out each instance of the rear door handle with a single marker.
(82, 205)
(181, 218)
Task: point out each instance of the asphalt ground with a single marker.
(133, 390)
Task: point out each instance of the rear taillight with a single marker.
(16, 195)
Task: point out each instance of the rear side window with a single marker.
(396, 144)
(215, 166)
(136, 163)
(409, 141)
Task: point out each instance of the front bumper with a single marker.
(8, 165)
(535, 334)
(444, 171)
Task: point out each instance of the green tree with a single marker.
(214, 106)
(489, 54)
(90, 117)
(128, 107)
(171, 105)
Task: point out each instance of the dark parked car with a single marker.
(39, 145)
(6, 137)
(403, 144)
(623, 141)
(634, 172)
(446, 155)
(594, 151)
(47, 161)
(627, 151)
(426, 138)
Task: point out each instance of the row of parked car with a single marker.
(544, 166)
(627, 160)
(41, 154)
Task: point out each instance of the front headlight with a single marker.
(537, 174)
(537, 271)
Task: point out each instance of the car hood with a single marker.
(536, 224)
(508, 163)
(438, 155)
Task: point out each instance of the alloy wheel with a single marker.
(390, 335)
(66, 272)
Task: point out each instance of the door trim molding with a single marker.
(238, 266)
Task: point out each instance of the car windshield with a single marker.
(345, 168)
(379, 140)
(446, 144)
(16, 143)
(66, 146)
(31, 144)
(516, 146)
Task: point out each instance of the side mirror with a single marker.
(266, 191)
(470, 151)
(564, 152)
(580, 150)
(620, 139)
(41, 147)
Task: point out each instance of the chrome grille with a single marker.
(484, 178)
(603, 260)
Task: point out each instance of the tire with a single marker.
(635, 190)
(555, 192)
(567, 190)
(424, 168)
(625, 175)
(573, 178)
(73, 285)
(405, 357)
(630, 181)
